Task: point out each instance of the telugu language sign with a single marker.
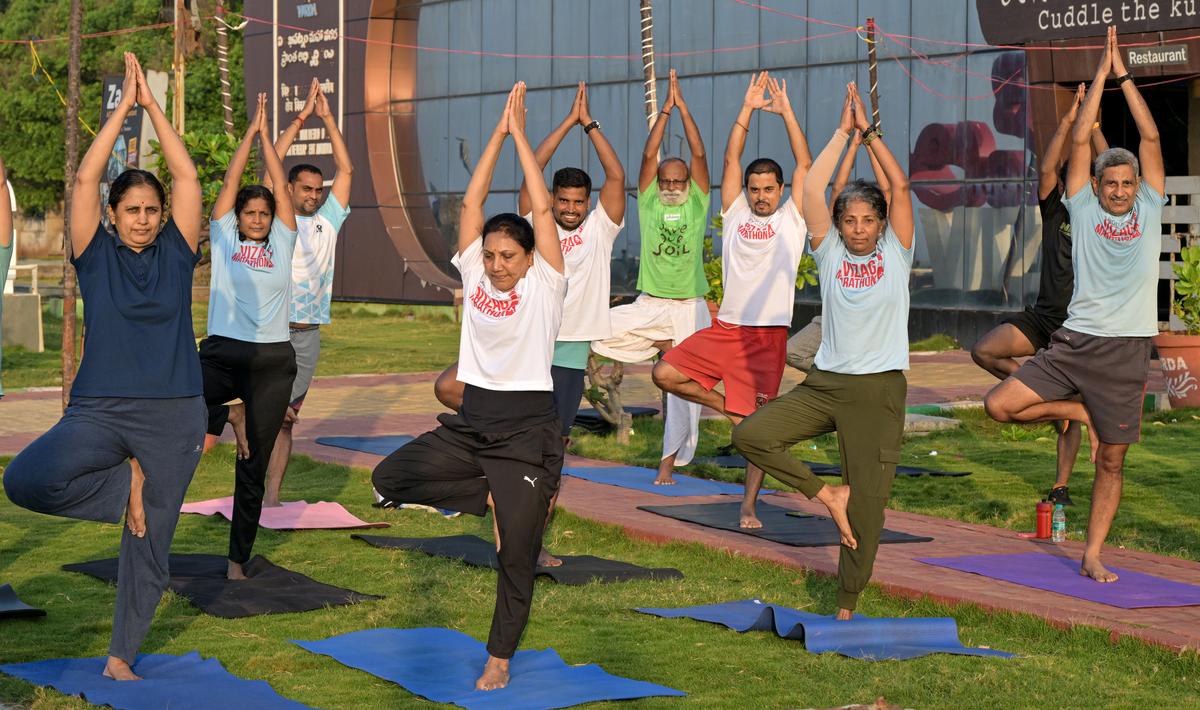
(307, 42)
(1020, 21)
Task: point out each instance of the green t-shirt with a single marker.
(672, 263)
(5, 258)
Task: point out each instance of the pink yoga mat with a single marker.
(296, 515)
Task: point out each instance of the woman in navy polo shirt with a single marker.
(132, 434)
(248, 352)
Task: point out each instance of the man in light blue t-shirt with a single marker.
(1101, 355)
(312, 265)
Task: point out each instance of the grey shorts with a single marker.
(307, 344)
(1108, 373)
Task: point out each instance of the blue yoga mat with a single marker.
(642, 479)
(176, 682)
(378, 445)
(862, 637)
(442, 665)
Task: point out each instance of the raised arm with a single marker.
(1150, 145)
(731, 170)
(85, 194)
(285, 140)
(816, 212)
(471, 218)
(612, 192)
(1053, 158)
(694, 139)
(549, 146)
(227, 197)
(6, 221)
(900, 211)
(843, 171)
(187, 205)
(1079, 165)
(649, 169)
(341, 154)
(284, 211)
(782, 105)
(1099, 142)
(545, 234)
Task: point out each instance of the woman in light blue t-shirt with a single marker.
(856, 386)
(248, 354)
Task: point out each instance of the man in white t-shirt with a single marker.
(762, 242)
(586, 236)
(312, 265)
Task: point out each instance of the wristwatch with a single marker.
(591, 126)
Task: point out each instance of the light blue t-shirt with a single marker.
(1116, 265)
(251, 282)
(312, 264)
(864, 306)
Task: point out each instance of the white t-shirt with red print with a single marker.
(864, 306)
(507, 340)
(587, 255)
(759, 258)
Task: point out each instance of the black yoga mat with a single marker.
(269, 589)
(13, 608)
(779, 524)
(590, 420)
(825, 469)
(575, 569)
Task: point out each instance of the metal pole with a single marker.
(69, 168)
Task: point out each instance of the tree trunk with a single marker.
(223, 65)
(69, 168)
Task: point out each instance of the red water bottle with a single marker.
(1045, 511)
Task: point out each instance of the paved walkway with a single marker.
(396, 404)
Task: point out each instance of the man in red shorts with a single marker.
(762, 241)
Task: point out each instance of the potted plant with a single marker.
(806, 275)
(1179, 353)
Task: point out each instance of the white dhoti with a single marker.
(636, 327)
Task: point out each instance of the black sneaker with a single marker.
(1060, 496)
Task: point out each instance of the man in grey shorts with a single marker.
(312, 265)
(1102, 352)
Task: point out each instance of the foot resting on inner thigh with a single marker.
(135, 513)
(837, 499)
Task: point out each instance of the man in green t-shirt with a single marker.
(673, 211)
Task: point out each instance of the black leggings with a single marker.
(259, 374)
(455, 467)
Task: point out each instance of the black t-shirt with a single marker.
(1058, 278)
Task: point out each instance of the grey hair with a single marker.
(1113, 157)
(861, 191)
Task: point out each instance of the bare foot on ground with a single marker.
(269, 502)
(844, 615)
(495, 674)
(135, 512)
(545, 559)
(837, 499)
(234, 571)
(237, 420)
(117, 669)
(664, 478)
(1092, 568)
(749, 520)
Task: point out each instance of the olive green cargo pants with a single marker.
(867, 412)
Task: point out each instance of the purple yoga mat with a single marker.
(1052, 573)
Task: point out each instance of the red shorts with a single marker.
(749, 359)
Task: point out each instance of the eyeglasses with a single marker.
(672, 183)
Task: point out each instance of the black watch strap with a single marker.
(591, 126)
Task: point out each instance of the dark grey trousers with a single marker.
(80, 469)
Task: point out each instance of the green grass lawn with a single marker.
(1012, 468)
(1080, 668)
(362, 339)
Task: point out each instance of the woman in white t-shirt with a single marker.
(503, 448)
(248, 354)
(856, 386)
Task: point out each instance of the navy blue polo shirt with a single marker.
(137, 318)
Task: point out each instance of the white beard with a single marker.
(672, 198)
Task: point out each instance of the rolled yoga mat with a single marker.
(442, 665)
(1053, 573)
(269, 589)
(186, 682)
(827, 469)
(472, 550)
(11, 607)
(642, 479)
(861, 637)
(781, 525)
